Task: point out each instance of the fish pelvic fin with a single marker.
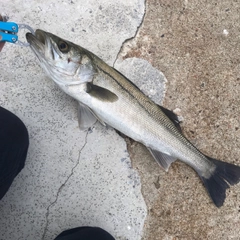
(224, 175)
(86, 117)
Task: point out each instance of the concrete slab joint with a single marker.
(124, 47)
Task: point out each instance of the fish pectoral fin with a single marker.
(172, 116)
(101, 93)
(163, 159)
(86, 117)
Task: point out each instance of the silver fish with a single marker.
(106, 95)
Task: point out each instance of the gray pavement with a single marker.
(71, 178)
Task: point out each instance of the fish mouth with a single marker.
(45, 48)
(37, 41)
(41, 45)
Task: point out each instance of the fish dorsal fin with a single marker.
(86, 117)
(101, 93)
(172, 116)
(163, 159)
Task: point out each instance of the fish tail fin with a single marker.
(224, 175)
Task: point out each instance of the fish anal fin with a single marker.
(172, 116)
(163, 159)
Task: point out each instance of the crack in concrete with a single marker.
(131, 38)
(61, 187)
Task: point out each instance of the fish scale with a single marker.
(152, 112)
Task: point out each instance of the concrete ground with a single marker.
(74, 178)
(196, 45)
(71, 178)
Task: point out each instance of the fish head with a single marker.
(64, 62)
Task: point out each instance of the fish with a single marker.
(107, 96)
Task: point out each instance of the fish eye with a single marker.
(63, 46)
